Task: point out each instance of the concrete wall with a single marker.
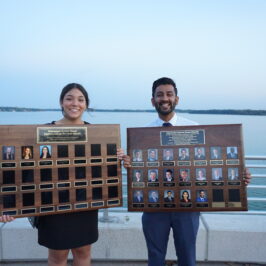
(221, 237)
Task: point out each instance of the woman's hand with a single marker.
(6, 218)
(123, 157)
(247, 176)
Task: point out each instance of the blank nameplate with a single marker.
(28, 187)
(83, 161)
(202, 205)
(113, 202)
(47, 209)
(9, 189)
(185, 204)
(81, 205)
(110, 160)
(12, 213)
(63, 162)
(81, 183)
(46, 186)
(96, 182)
(97, 204)
(27, 164)
(112, 181)
(44, 163)
(99, 160)
(8, 165)
(64, 207)
(63, 185)
(235, 204)
(218, 204)
(28, 211)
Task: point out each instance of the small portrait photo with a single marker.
(184, 175)
(169, 196)
(152, 155)
(199, 153)
(153, 196)
(217, 174)
(200, 174)
(168, 175)
(201, 196)
(153, 175)
(183, 154)
(138, 196)
(26, 152)
(232, 153)
(137, 176)
(137, 155)
(168, 154)
(8, 152)
(233, 174)
(216, 153)
(185, 195)
(45, 151)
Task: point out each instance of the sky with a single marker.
(214, 50)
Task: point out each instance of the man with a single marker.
(152, 176)
(168, 175)
(199, 155)
(183, 155)
(184, 177)
(233, 175)
(152, 156)
(157, 225)
(216, 153)
(137, 177)
(137, 156)
(216, 174)
(232, 154)
(8, 154)
(138, 197)
(202, 197)
(168, 155)
(153, 196)
(169, 196)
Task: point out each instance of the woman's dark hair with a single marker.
(71, 86)
(185, 191)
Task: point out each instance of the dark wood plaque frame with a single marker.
(82, 173)
(157, 150)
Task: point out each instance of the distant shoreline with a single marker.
(189, 111)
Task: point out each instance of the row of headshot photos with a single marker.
(26, 152)
(184, 175)
(170, 195)
(184, 154)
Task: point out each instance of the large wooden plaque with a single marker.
(186, 168)
(46, 169)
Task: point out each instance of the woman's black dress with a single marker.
(68, 230)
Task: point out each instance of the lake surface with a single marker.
(254, 131)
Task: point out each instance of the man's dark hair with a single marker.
(163, 81)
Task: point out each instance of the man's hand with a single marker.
(247, 176)
(6, 218)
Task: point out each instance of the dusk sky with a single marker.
(214, 50)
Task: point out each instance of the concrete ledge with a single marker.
(221, 237)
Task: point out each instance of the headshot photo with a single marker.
(168, 196)
(183, 154)
(232, 153)
(137, 156)
(202, 196)
(153, 196)
(199, 153)
(217, 174)
(153, 175)
(45, 151)
(27, 152)
(168, 154)
(137, 176)
(138, 196)
(216, 153)
(168, 175)
(185, 196)
(200, 174)
(152, 155)
(184, 175)
(8, 153)
(233, 174)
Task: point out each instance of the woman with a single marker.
(27, 153)
(185, 197)
(45, 153)
(61, 233)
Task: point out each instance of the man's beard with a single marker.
(165, 112)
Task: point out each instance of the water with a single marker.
(254, 131)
